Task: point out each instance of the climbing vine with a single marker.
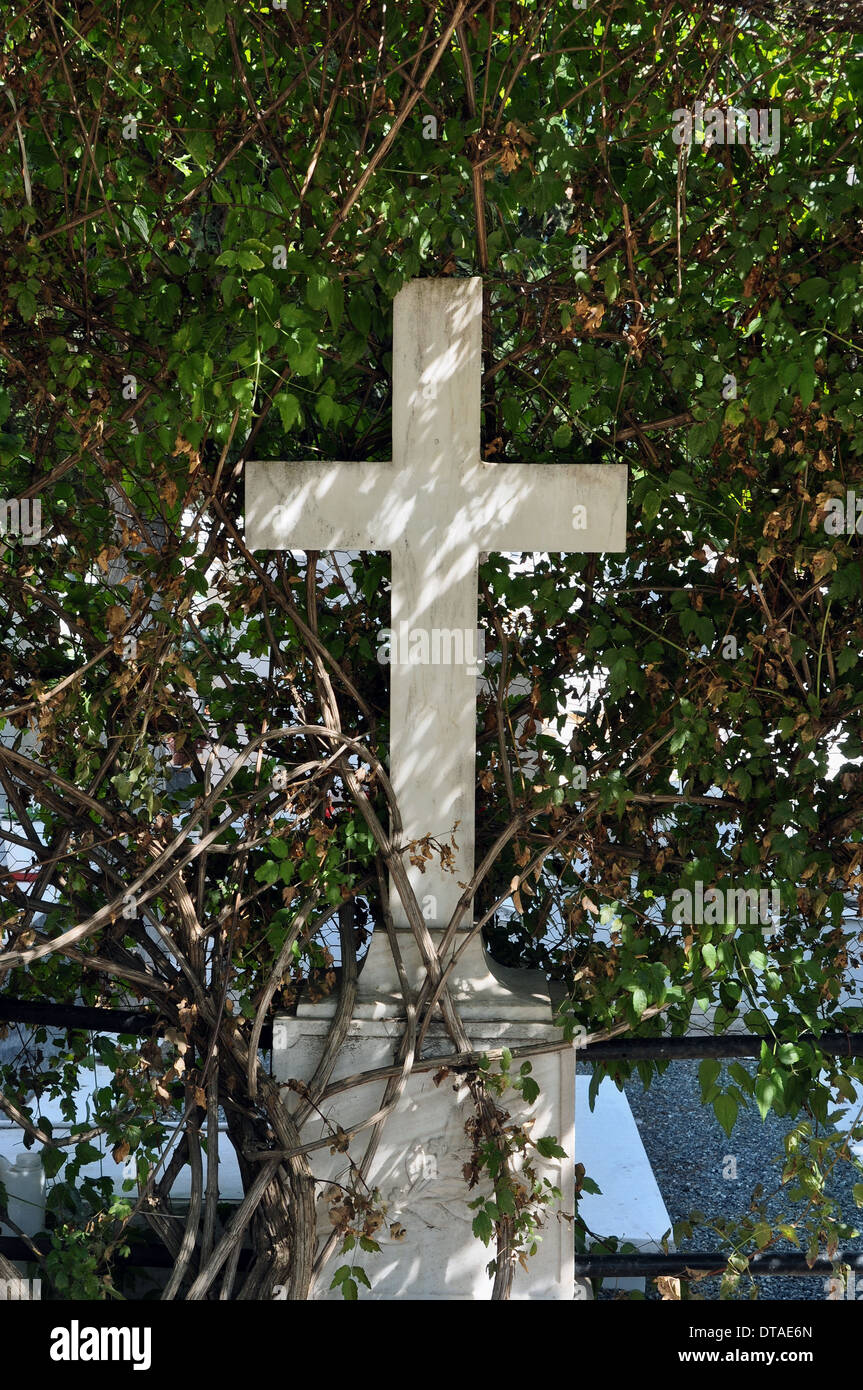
(206, 215)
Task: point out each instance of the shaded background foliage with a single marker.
(221, 205)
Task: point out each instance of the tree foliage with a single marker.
(206, 215)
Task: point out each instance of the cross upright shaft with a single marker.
(435, 507)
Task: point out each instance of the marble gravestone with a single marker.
(435, 506)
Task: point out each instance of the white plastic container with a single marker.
(24, 1181)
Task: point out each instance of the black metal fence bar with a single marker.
(142, 1254)
(712, 1045)
(699, 1261)
(76, 1016)
(615, 1050)
(155, 1256)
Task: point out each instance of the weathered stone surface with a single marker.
(418, 1164)
(435, 507)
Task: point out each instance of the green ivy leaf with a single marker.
(549, 1148)
(53, 1160)
(289, 410)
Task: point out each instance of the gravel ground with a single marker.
(687, 1148)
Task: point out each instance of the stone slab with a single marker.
(419, 1161)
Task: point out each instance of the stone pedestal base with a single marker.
(418, 1163)
(479, 988)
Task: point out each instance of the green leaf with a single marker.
(303, 353)
(725, 1109)
(244, 392)
(505, 1201)
(762, 1234)
(766, 1091)
(53, 1160)
(214, 15)
(27, 305)
(708, 1074)
(289, 410)
(326, 409)
(361, 315)
(230, 285)
(813, 289)
(806, 385)
(317, 290)
(335, 301)
(262, 288)
(529, 1090)
(549, 1148)
(88, 1153)
(483, 1227)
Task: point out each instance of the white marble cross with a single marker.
(435, 507)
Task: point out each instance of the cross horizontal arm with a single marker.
(324, 506)
(548, 507)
